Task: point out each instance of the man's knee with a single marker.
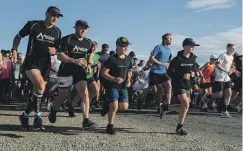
(123, 106)
(167, 85)
(114, 106)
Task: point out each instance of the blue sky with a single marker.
(212, 23)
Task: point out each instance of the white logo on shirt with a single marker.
(186, 65)
(78, 49)
(45, 37)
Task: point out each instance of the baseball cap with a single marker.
(132, 53)
(213, 57)
(189, 42)
(54, 10)
(122, 41)
(81, 23)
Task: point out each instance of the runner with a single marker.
(222, 86)
(180, 70)
(207, 71)
(93, 88)
(43, 37)
(72, 52)
(158, 76)
(118, 73)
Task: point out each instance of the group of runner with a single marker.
(88, 72)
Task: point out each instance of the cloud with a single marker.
(212, 44)
(204, 5)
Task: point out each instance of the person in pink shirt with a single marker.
(5, 74)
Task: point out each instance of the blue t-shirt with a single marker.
(162, 54)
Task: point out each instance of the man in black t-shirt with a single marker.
(43, 37)
(117, 70)
(72, 52)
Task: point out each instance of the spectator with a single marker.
(16, 72)
(5, 75)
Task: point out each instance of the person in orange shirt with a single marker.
(207, 71)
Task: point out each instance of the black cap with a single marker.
(105, 46)
(81, 23)
(112, 52)
(189, 42)
(54, 10)
(122, 41)
(132, 53)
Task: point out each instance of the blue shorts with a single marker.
(120, 95)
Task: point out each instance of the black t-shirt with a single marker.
(118, 68)
(40, 38)
(75, 48)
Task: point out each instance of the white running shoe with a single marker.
(225, 114)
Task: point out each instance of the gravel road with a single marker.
(137, 131)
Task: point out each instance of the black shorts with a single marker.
(70, 69)
(91, 80)
(41, 64)
(155, 78)
(205, 85)
(220, 86)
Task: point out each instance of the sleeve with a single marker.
(26, 29)
(58, 40)
(221, 58)
(62, 45)
(172, 70)
(107, 64)
(155, 51)
(130, 65)
(91, 47)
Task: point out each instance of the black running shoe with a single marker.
(89, 124)
(71, 114)
(52, 116)
(71, 111)
(181, 131)
(110, 129)
(24, 122)
(38, 124)
(161, 110)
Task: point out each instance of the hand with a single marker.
(202, 80)
(118, 80)
(52, 51)
(187, 76)
(88, 68)
(128, 83)
(166, 65)
(237, 73)
(80, 61)
(192, 74)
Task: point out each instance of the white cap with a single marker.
(213, 57)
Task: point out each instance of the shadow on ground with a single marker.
(71, 130)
